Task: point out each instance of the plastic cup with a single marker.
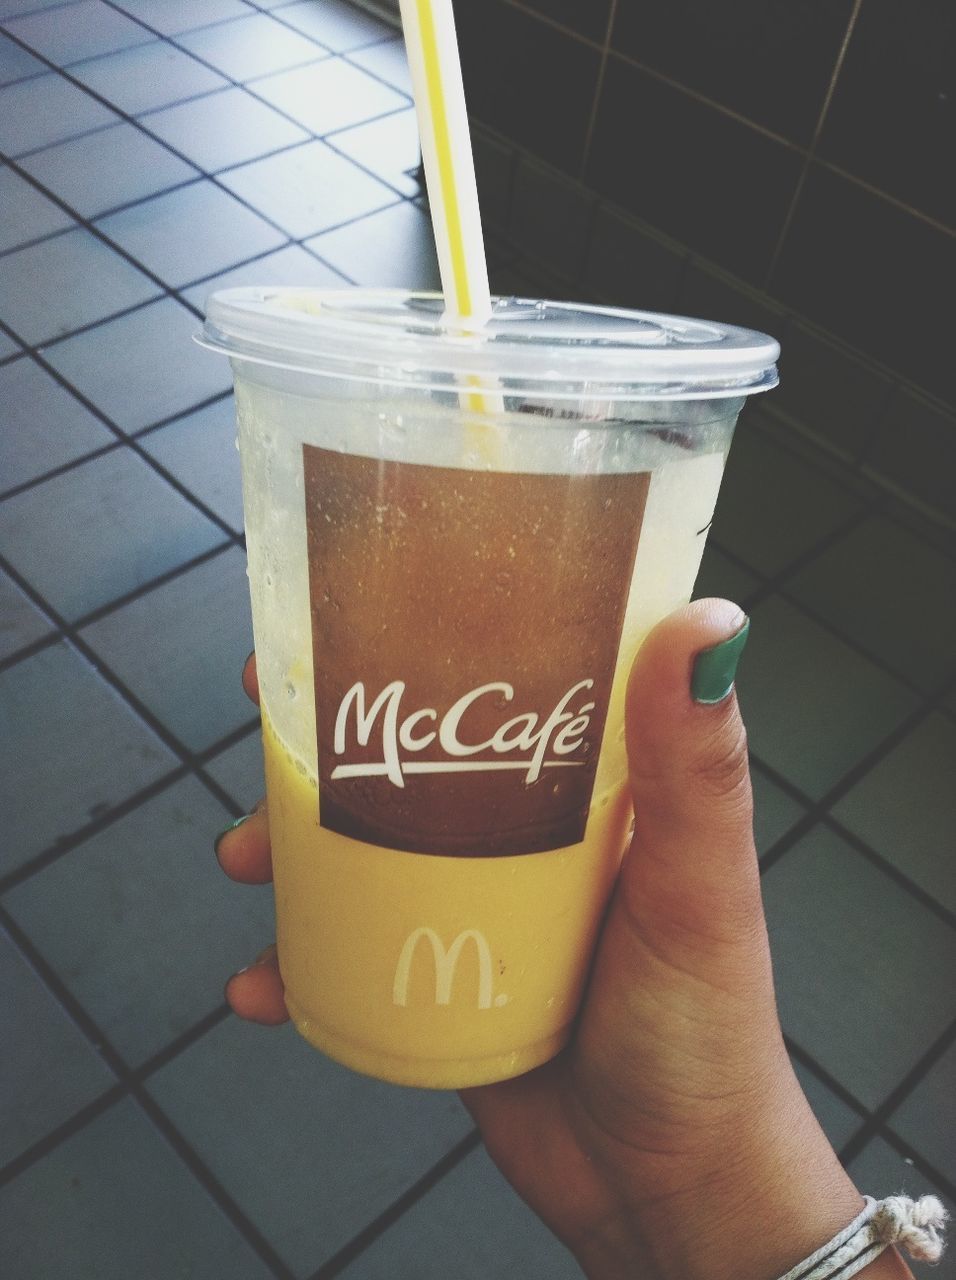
(456, 545)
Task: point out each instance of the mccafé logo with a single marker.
(446, 962)
(527, 742)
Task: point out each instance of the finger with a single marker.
(243, 849)
(257, 994)
(250, 678)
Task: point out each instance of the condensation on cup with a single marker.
(457, 542)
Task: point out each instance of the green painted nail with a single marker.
(715, 668)
(225, 831)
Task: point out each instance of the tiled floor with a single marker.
(154, 149)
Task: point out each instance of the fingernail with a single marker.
(715, 668)
(232, 826)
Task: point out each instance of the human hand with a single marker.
(671, 1138)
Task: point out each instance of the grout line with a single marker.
(914, 1157)
(595, 104)
(335, 1265)
(835, 1086)
(62, 1133)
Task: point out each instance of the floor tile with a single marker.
(239, 770)
(813, 707)
(108, 168)
(905, 808)
(772, 506)
(8, 348)
(721, 576)
(890, 593)
(253, 46)
(191, 233)
(46, 109)
(66, 282)
(180, 649)
(927, 1117)
(387, 61)
(337, 25)
(134, 526)
(330, 96)
(75, 31)
(472, 1226)
(44, 426)
(144, 880)
(837, 1120)
(358, 1144)
(21, 622)
(852, 952)
(388, 147)
(879, 1171)
(629, 266)
(16, 63)
(123, 1205)
(223, 129)
(99, 754)
(200, 451)
(27, 213)
(54, 1070)
(172, 16)
(551, 218)
(292, 265)
(392, 248)
(12, 8)
(150, 76)
(308, 189)
(775, 810)
(160, 370)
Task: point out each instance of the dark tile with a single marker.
(336, 25)
(332, 95)
(147, 77)
(494, 172)
(837, 1120)
(308, 189)
(721, 576)
(200, 451)
(253, 46)
(532, 83)
(891, 118)
(169, 17)
(925, 1119)
(66, 282)
(851, 953)
(21, 622)
(108, 168)
(144, 880)
(550, 218)
(16, 63)
(114, 1201)
(915, 451)
(394, 247)
(905, 808)
(223, 129)
(836, 269)
(44, 426)
(773, 507)
(710, 295)
(46, 109)
(142, 367)
(588, 17)
(50, 1071)
(771, 64)
(389, 147)
(292, 265)
(99, 754)
(813, 706)
(8, 348)
(74, 31)
(775, 810)
(239, 770)
(386, 61)
(11, 8)
(472, 1226)
(27, 213)
(359, 1142)
(709, 200)
(892, 594)
(180, 649)
(630, 266)
(191, 233)
(134, 527)
(829, 392)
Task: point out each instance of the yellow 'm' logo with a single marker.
(446, 961)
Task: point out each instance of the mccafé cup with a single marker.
(457, 542)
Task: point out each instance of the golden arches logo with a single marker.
(446, 962)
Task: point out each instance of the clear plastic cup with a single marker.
(457, 542)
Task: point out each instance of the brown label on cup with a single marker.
(465, 629)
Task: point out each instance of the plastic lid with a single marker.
(528, 347)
